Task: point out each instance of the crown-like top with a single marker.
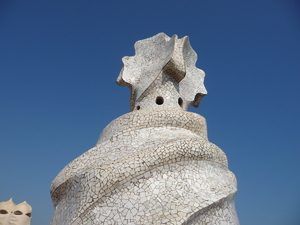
(7, 206)
(162, 74)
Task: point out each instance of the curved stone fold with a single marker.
(162, 54)
(138, 150)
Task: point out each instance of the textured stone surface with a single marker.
(163, 65)
(155, 164)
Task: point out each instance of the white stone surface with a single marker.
(155, 164)
(163, 64)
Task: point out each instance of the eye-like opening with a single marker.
(159, 100)
(138, 107)
(180, 102)
(28, 214)
(3, 211)
(17, 212)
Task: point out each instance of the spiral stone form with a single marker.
(153, 165)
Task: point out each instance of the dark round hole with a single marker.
(3, 211)
(17, 212)
(138, 107)
(180, 102)
(159, 100)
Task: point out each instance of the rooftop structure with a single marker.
(155, 164)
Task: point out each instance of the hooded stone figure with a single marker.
(12, 214)
(21, 215)
(5, 211)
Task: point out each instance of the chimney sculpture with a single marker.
(155, 164)
(12, 214)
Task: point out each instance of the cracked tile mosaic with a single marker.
(155, 164)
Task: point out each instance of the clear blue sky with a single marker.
(59, 61)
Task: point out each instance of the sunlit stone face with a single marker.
(5, 210)
(21, 215)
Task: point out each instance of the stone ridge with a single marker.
(141, 162)
(214, 211)
(154, 118)
(168, 195)
(185, 202)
